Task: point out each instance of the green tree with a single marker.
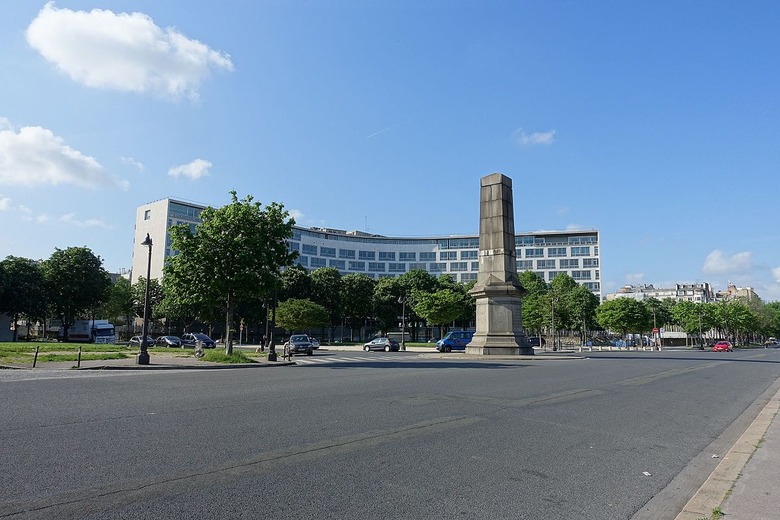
(411, 282)
(326, 289)
(120, 303)
(156, 297)
(623, 315)
(536, 305)
(235, 255)
(385, 303)
(299, 315)
(440, 307)
(357, 291)
(24, 290)
(76, 284)
(583, 305)
(295, 283)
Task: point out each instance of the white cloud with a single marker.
(5, 203)
(132, 162)
(635, 278)
(194, 170)
(5, 124)
(535, 138)
(70, 219)
(35, 156)
(123, 51)
(776, 274)
(717, 263)
(297, 215)
(42, 219)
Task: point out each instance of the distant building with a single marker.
(733, 292)
(692, 292)
(547, 253)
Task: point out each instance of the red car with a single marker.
(723, 346)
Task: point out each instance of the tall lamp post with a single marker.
(143, 356)
(402, 301)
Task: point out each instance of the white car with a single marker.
(315, 343)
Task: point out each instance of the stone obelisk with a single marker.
(498, 291)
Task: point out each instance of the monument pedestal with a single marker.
(499, 321)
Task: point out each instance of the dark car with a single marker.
(536, 341)
(168, 341)
(135, 341)
(300, 344)
(386, 344)
(189, 340)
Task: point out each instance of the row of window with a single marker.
(411, 256)
(432, 267)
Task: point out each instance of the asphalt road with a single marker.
(378, 435)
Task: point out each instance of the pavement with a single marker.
(744, 485)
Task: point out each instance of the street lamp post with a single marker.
(143, 356)
(402, 301)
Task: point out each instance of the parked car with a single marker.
(168, 341)
(723, 346)
(189, 339)
(455, 340)
(537, 341)
(315, 343)
(299, 343)
(386, 344)
(135, 341)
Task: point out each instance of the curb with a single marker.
(717, 487)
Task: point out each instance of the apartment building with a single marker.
(547, 253)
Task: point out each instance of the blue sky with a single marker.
(653, 122)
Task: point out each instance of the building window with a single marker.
(580, 251)
(147, 214)
(349, 254)
(367, 255)
(469, 255)
(593, 286)
(317, 262)
(553, 252)
(417, 265)
(357, 266)
(448, 255)
(427, 257)
(387, 256)
(524, 265)
(590, 262)
(338, 264)
(378, 267)
(475, 266)
(459, 266)
(308, 249)
(553, 274)
(468, 277)
(437, 267)
(545, 264)
(328, 251)
(396, 268)
(570, 263)
(407, 257)
(536, 252)
(581, 275)
(302, 260)
(293, 246)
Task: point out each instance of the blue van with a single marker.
(455, 340)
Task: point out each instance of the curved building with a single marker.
(547, 253)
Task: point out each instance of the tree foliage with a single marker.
(235, 255)
(623, 315)
(23, 290)
(76, 284)
(299, 315)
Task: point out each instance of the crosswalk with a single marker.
(323, 360)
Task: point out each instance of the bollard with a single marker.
(78, 362)
(35, 358)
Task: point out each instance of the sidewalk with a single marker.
(744, 486)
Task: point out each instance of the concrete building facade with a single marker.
(547, 253)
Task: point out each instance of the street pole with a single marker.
(402, 301)
(143, 356)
